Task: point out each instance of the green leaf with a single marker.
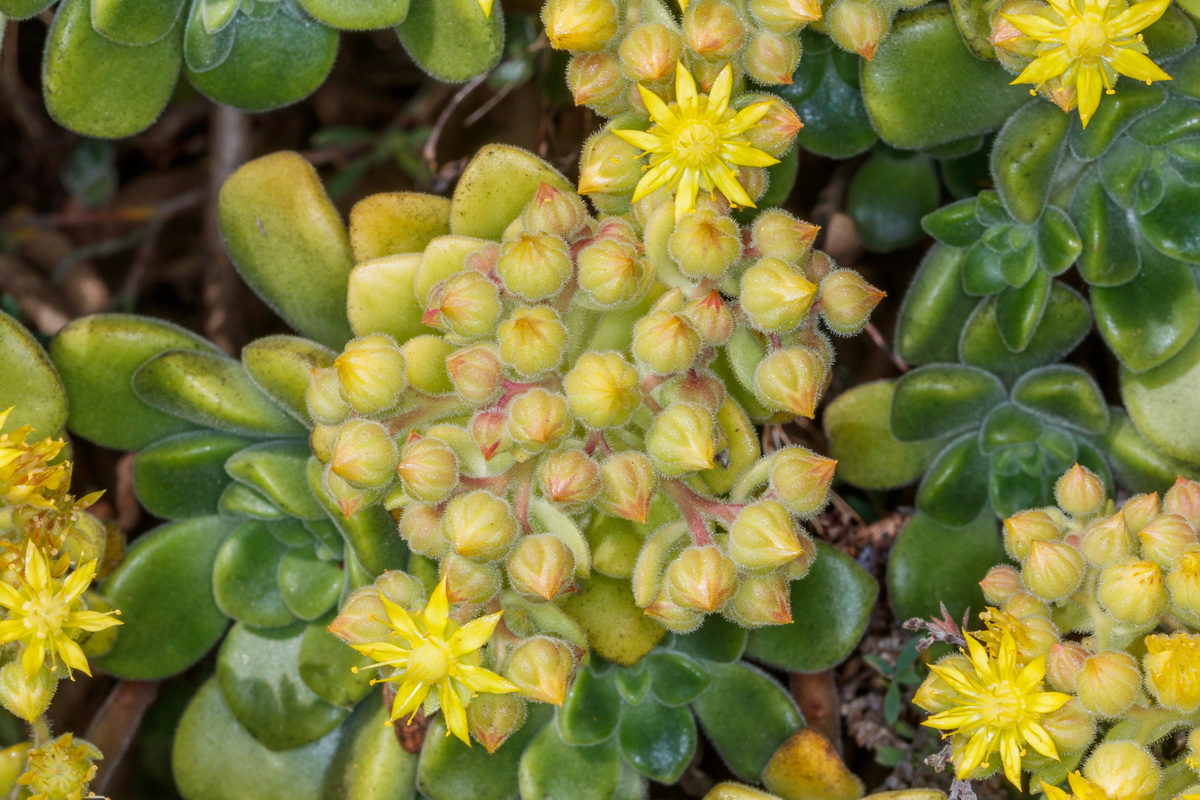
(932, 563)
(1007, 425)
(135, 21)
(941, 399)
(326, 665)
(184, 475)
(1173, 33)
(1173, 227)
(1140, 466)
(97, 87)
(18, 10)
(393, 223)
(591, 710)
(291, 532)
(888, 198)
(1109, 257)
(281, 366)
(206, 47)
(1121, 168)
(449, 770)
(277, 470)
(717, 639)
(31, 387)
(289, 244)
(1058, 242)
(954, 224)
(244, 582)
(633, 684)
(835, 120)
(370, 532)
(211, 390)
(496, 186)
(382, 298)
(659, 740)
(1114, 116)
(1026, 152)
(675, 679)
(96, 358)
(1020, 311)
(214, 758)
(239, 501)
(934, 308)
(747, 716)
(955, 488)
(1173, 120)
(309, 585)
(616, 629)
(370, 763)
(551, 769)
(357, 16)
(1164, 403)
(164, 590)
(983, 270)
(1065, 322)
(1066, 393)
(260, 679)
(830, 609)
(452, 40)
(1018, 489)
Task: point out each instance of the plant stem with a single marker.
(39, 730)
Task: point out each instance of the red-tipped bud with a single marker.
(479, 525)
(761, 600)
(702, 578)
(541, 668)
(702, 388)
(611, 272)
(476, 372)
(1052, 571)
(711, 317)
(492, 718)
(569, 477)
(324, 398)
(364, 454)
(609, 165)
(542, 566)
(1023, 529)
(602, 390)
(322, 440)
(764, 537)
(858, 25)
(421, 527)
(776, 132)
(1063, 663)
(532, 339)
(587, 25)
(801, 479)
(1107, 540)
(428, 468)
(1184, 499)
(682, 439)
(713, 29)
(649, 52)
(554, 212)
(775, 297)
(538, 420)
(1123, 771)
(705, 244)
(771, 58)
(1000, 583)
(627, 484)
(1108, 683)
(534, 265)
(1079, 492)
(673, 616)
(791, 380)
(489, 431)
(1070, 726)
(469, 581)
(846, 301)
(785, 16)
(595, 81)
(348, 497)
(665, 342)
(1140, 510)
(371, 372)
(777, 234)
(1133, 591)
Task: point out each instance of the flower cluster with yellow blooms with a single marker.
(1090, 654)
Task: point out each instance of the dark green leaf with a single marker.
(352, 15)
(1173, 120)
(659, 740)
(888, 197)
(326, 665)
(1008, 425)
(717, 639)
(277, 470)
(955, 224)
(30, 387)
(1019, 311)
(1026, 152)
(453, 40)
(281, 365)
(1066, 393)
(1118, 111)
(309, 586)
(184, 475)
(551, 769)
(239, 501)
(1140, 466)
(835, 119)
(449, 770)
(1164, 403)
(135, 21)
(982, 271)
(1173, 227)
(675, 678)
(1120, 169)
(370, 532)
(370, 763)
(633, 683)
(591, 710)
(244, 582)
(941, 399)
(933, 563)
(1064, 324)
(1109, 257)
(934, 308)
(1058, 242)
(955, 487)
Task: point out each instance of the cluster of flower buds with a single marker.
(1107, 603)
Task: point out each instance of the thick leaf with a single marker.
(1173, 120)
(259, 677)
(18, 10)
(327, 666)
(205, 47)
(211, 390)
(717, 639)
(955, 488)
(309, 585)
(1018, 489)
(452, 40)
(1140, 466)
(1058, 242)
(244, 583)
(382, 298)
(616, 628)
(449, 770)
(835, 120)
(934, 308)
(954, 224)
(1173, 226)
(281, 366)
(392, 223)
(357, 16)
(591, 710)
(551, 769)
(1118, 111)
(932, 563)
(1020, 311)
(292, 532)
(633, 684)
(675, 679)
(807, 765)
(214, 758)
(888, 197)
(184, 475)
(289, 243)
(494, 188)
(30, 387)
(1066, 393)
(370, 532)
(1164, 403)
(1109, 257)
(277, 470)
(658, 740)
(135, 21)
(1064, 324)
(1171, 35)
(983, 270)
(239, 501)
(370, 763)
(1026, 152)
(164, 590)
(830, 608)
(96, 357)
(1007, 425)
(746, 715)
(941, 399)
(1122, 168)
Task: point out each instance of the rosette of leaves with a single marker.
(111, 66)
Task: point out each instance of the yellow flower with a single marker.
(1086, 44)
(60, 769)
(432, 651)
(25, 474)
(1173, 669)
(995, 708)
(696, 142)
(44, 615)
(1081, 789)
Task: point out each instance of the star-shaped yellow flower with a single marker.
(26, 476)
(1086, 44)
(696, 142)
(1081, 789)
(44, 615)
(427, 650)
(994, 708)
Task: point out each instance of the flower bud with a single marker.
(1172, 663)
(785, 16)
(764, 536)
(479, 525)
(682, 439)
(364, 454)
(771, 57)
(1023, 529)
(776, 131)
(569, 477)
(847, 301)
(1123, 771)
(595, 81)
(321, 441)
(627, 482)
(609, 165)
(469, 581)
(27, 698)
(1000, 583)
(1133, 591)
(602, 390)
(754, 180)
(532, 339)
(538, 420)
(371, 372)
(421, 527)
(1013, 48)
(934, 694)
(673, 616)
(466, 306)
(489, 431)
(1079, 492)
(553, 211)
(705, 244)
(703, 578)
(1052, 571)
(534, 265)
(541, 565)
(59, 768)
(774, 296)
(1166, 538)
(1183, 583)
(1107, 540)
(324, 398)
(1070, 726)
(649, 52)
(610, 272)
(541, 668)
(713, 29)
(761, 600)
(1023, 604)
(777, 234)
(702, 388)
(586, 25)
(711, 317)
(1108, 683)
(1140, 510)
(790, 380)
(858, 25)
(428, 468)
(476, 373)
(801, 479)
(348, 497)
(617, 229)
(666, 343)
(1063, 664)
(401, 588)
(1183, 498)
(494, 717)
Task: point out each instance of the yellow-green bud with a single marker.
(534, 265)
(754, 180)
(541, 668)
(12, 765)
(541, 565)
(595, 81)
(532, 339)
(858, 25)
(777, 234)
(1023, 604)
(321, 440)
(60, 768)
(673, 616)
(1000, 583)
(1034, 637)
(27, 698)
(476, 373)
(705, 244)
(371, 372)
(801, 479)
(428, 468)
(362, 618)
(574, 25)
(1070, 726)
(489, 431)
(364, 454)
(761, 600)
(1108, 683)
(665, 342)
(610, 272)
(469, 581)
(711, 317)
(649, 52)
(401, 588)
(791, 380)
(479, 525)
(785, 16)
(1123, 771)
(627, 482)
(494, 717)
(702, 388)
(1133, 591)
(1183, 498)
(1079, 491)
(703, 578)
(602, 390)
(421, 527)
(764, 537)
(776, 132)
(1140, 510)
(1107, 540)
(1183, 583)
(682, 439)
(846, 301)
(324, 398)
(555, 212)
(771, 57)
(774, 296)
(1052, 570)
(609, 165)
(713, 29)
(934, 694)
(425, 363)
(1023, 529)
(538, 420)
(570, 478)
(466, 306)
(1166, 538)
(1063, 663)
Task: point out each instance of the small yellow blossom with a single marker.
(433, 651)
(697, 141)
(995, 707)
(1085, 44)
(1081, 789)
(60, 769)
(1173, 669)
(26, 477)
(43, 614)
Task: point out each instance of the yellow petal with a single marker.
(654, 104)
(90, 621)
(486, 5)
(1039, 740)
(73, 655)
(437, 611)
(480, 680)
(11, 630)
(401, 622)
(473, 635)
(1135, 65)
(454, 712)
(77, 582)
(409, 696)
(1087, 88)
(1037, 28)
(746, 156)
(659, 175)
(1054, 793)
(685, 86)
(10, 598)
(974, 754)
(1137, 17)
(1010, 757)
(1045, 67)
(33, 657)
(748, 117)
(727, 182)
(685, 193)
(722, 88)
(646, 141)
(37, 572)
